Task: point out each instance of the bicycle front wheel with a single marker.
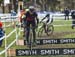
(40, 32)
(50, 29)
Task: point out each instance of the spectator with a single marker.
(22, 12)
(1, 33)
(13, 13)
(73, 19)
(66, 12)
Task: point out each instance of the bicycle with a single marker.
(47, 28)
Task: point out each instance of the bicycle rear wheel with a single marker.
(50, 29)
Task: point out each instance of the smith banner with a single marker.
(54, 41)
(52, 51)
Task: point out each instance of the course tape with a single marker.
(8, 25)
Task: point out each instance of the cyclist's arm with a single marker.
(37, 19)
(45, 17)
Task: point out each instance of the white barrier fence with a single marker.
(11, 19)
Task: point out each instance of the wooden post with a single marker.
(20, 42)
(11, 52)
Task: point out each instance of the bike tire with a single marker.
(40, 32)
(50, 29)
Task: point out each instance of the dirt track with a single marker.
(56, 35)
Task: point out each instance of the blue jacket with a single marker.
(1, 32)
(13, 13)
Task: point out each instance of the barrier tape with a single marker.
(11, 17)
(8, 25)
(10, 33)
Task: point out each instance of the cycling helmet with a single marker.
(31, 8)
(48, 15)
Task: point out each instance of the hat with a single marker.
(1, 24)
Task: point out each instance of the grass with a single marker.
(56, 29)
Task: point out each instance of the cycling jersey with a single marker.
(30, 17)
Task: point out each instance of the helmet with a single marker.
(31, 8)
(48, 15)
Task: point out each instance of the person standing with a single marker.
(22, 12)
(73, 19)
(66, 12)
(1, 33)
(13, 13)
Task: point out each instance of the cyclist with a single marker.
(47, 21)
(31, 19)
(13, 13)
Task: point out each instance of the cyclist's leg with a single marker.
(65, 16)
(27, 31)
(34, 33)
(68, 17)
(44, 28)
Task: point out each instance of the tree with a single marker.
(2, 2)
(48, 4)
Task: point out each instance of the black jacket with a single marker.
(73, 15)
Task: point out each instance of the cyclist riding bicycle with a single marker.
(31, 19)
(47, 21)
